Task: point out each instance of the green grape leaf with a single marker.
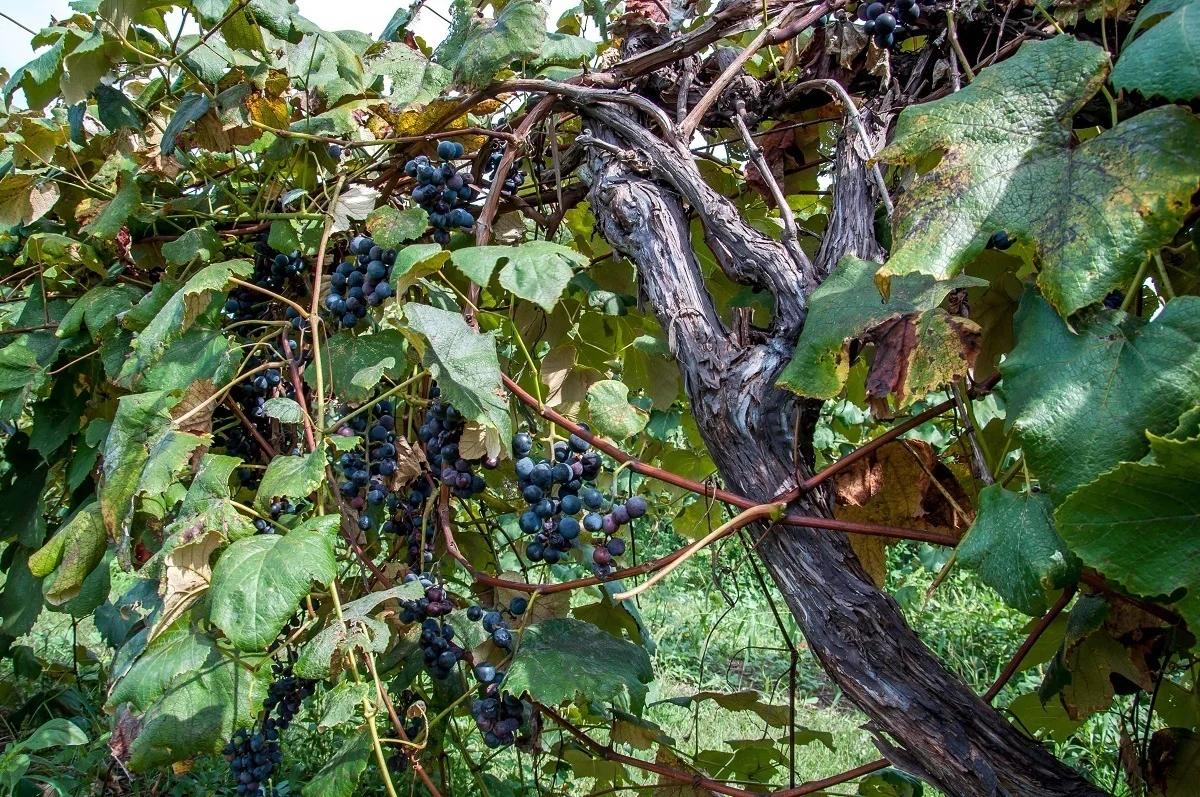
(1015, 549)
(566, 50)
(466, 366)
(390, 227)
(140, 420)
(190, 693)
(21, 596)
(1091, 213)
(179, 313)
(1139, 524)
(846, 306)
(116, 211)
(190, 108)
(290, 477)
(1080, 401)
(890, 783)
(339, 777)
(316, 657)
(1047, 720)
(348, 355)
(562, 660)
(258, 582)
(97, 308)
(611, 412)
(71, 555)
(478, 262)
(479, 48)
(198, 243)
(52, 249)
(414, 262)
(58, 732)
(1163, 61)
(539, 271)
(285, 410)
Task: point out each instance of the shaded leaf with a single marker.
(1016, 550)
(1073, 426)
(611, 412)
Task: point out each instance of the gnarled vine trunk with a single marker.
(925, 720)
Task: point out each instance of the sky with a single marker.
(369, 16)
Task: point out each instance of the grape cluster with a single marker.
(436, 602)
(1114, 299)
(253, 755)
(277, 508)
(361, 473)
(437, 643)
(498, 715)
(512, 181)
(271, 271)
(405, 520)
(440, 433)
(361, 281)
(1000, 240)
(558, 492)
(443, 191)
(886, 24)
(495, 625)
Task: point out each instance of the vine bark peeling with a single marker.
(924, 719)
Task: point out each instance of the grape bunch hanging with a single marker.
(561, 490)
(498, 715)
(443, 191)
(272, 271)
(888, 24)
(359, 282)
(441, 433)
(254, 754)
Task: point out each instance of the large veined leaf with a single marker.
(479, 48)
(1081, 401)
(258, 582)
(1016, 550)
(465, 364)
(360, 630)
(112, 216)
(1163, 61)
(191, 695)
(390, 227)
(25, 198)
(539, 271)
(1139, 524)
(339, 777)
(290, 477)
(562, 660)
(180, 313)
(197, 243)
(847, 305)
(1091, 212)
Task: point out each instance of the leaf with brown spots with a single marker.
(918, 353)
(893, 487)
(1090, 213)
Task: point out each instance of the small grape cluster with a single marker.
(271, 271)
(558, 492)
(498, 715)
(440, 433)
(405, 520)
(512, 181)
(359, 472)
(253, 755)
(252, 758)
(886, 24)
(436, 602)
(361, 281)
(276, 509)
(441, 651)
(443, 191)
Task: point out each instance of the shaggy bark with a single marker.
(925, 720)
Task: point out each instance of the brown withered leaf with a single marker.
(196, 394)
(186, 574)
(1174, 762)
(125, 729)
(409, 464)
(670, 787)
(478, 441)
(892, 487)
(652, 10)
(918, 353)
